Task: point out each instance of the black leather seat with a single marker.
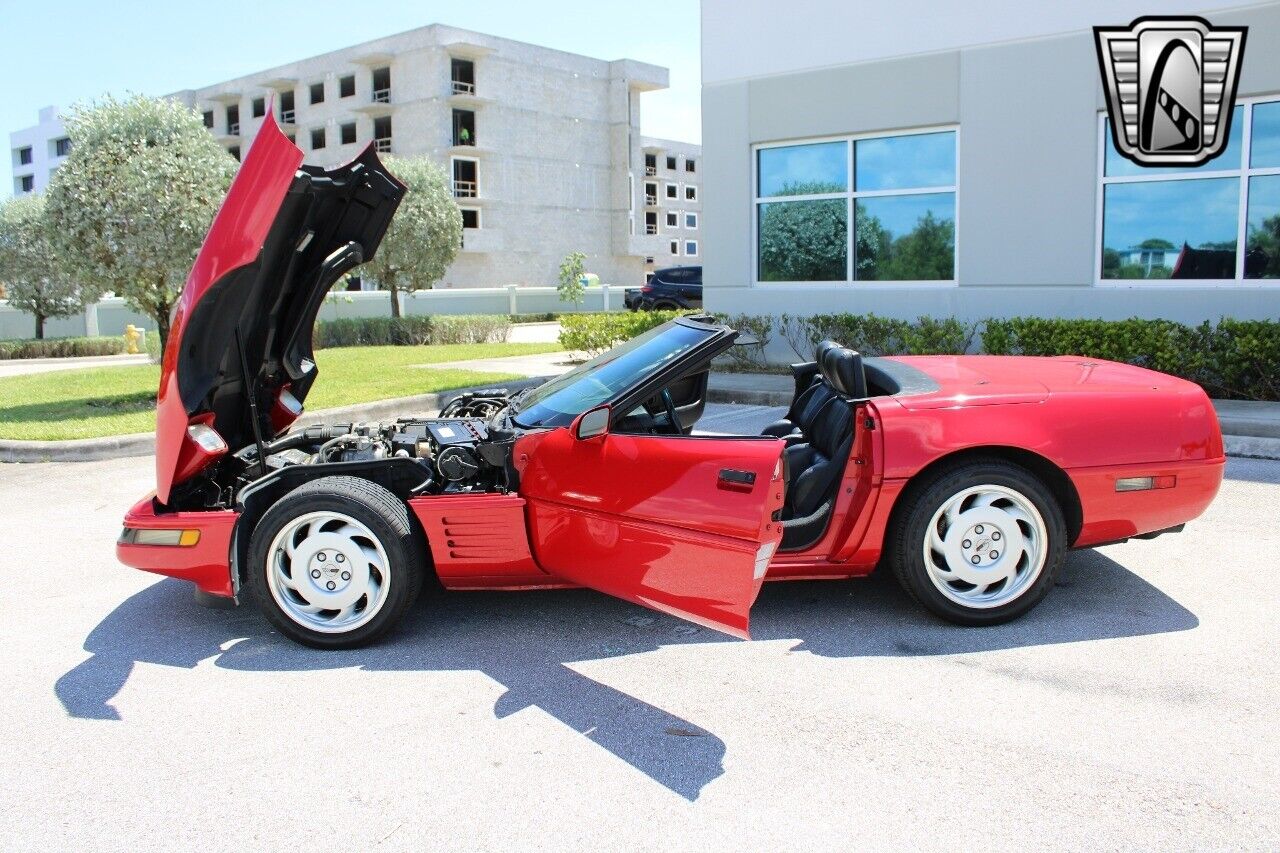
(805, 406)
(816, 467)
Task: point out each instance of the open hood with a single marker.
(242, 325)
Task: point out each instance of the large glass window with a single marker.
(879, 208)
(1161, 223)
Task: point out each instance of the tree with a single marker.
(570, 286)
(135, 197)
(28, 264)
(926, 253)
(425, 234)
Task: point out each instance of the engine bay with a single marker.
(461, 450)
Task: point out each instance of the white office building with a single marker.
(37, 151)
(914, 158)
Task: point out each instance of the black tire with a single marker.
(666, 305)
(384, 515)
(908, 536)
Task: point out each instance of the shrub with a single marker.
(873, 335)
(1234, 359)
(416, 330)
(748, 357)
(595, 333)
(62, 347)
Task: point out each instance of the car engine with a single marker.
(458, 451)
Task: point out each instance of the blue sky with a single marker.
(75, 50)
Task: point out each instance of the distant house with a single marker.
(1148, 258)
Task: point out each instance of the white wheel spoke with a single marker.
(331, 559)
(983, 544)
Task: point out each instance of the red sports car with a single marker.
(969, 477)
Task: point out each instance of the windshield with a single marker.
(562, 399)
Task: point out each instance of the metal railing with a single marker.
(233, 129)
(651, 200)
(650, 229)
(382, 145)
(461, 87)
(650, 171)
(382, 96)
(287, 116)
(469, 139)
(465, 189)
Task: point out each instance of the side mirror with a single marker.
(592, 423)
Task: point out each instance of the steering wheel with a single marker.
(671, 411)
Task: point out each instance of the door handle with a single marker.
(735, 480)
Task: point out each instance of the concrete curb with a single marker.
(144, 443)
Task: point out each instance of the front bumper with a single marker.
(207, 563)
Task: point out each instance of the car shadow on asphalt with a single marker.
(528, 642)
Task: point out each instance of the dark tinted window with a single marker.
(347, 86)
(317, 93)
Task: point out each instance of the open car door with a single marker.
(681, 524)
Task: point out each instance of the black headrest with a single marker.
(822, 350)
(842, 368)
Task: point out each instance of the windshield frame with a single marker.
(696, 354)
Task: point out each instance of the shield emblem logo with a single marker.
(1171, 86)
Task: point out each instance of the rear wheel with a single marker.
(335, 563)
(980, 543)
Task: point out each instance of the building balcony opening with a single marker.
(317, 93)
(382, 134)
(233, 120)
(466, 179)
(208, 119)
(651, 222)
(462, 73)
(259, 107)
(287, 114)
(382, 85)
(346, 86)
(464, 127)
(651, 164)
(347, 133)
(651, 193)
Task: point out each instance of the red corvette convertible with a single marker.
(967, 477)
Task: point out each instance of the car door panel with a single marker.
(683, 525)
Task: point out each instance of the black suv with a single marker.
(673, 287)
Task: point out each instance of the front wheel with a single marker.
(979, 544)
(335, 563)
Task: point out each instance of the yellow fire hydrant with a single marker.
(132, 334)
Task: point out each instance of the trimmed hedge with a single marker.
(1230, 359)
(595, 333)
(418, 330)
(62, 347)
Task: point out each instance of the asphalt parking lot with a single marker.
(1138, 706)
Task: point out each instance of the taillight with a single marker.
(207, 438)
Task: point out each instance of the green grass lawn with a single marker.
(118, 400)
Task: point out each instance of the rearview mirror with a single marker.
(593, 423)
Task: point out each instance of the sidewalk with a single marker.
(25, 366)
